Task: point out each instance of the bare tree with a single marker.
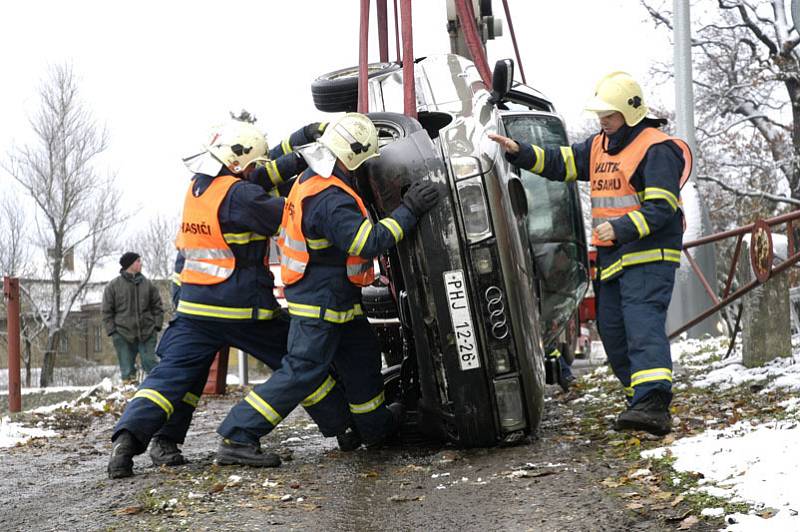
(15, 259)
(156, 244)
(77, 210)
(15, 252)
(747, 103)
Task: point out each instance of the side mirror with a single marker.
(502, 78)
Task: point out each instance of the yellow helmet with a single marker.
(618, 91)
(352, 139)
(236, 144)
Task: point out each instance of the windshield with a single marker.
(554, 226)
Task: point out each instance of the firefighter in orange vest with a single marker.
(226, 298)
(275, 175)
(328, 244)
(635, 173)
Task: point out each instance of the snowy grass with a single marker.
(753, 461)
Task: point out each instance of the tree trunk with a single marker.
(49, 362)
(27, 363)
(793, 88)
(765, 318)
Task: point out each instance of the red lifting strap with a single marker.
(466, 16)
(514, 40)
(363, 44)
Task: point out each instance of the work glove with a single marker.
(314, 130)
(421, 197)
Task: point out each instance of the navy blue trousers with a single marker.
(314, 345)
(166, 400)
(631, 320)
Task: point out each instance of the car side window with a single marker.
(554, 226)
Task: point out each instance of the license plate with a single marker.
(458, 304)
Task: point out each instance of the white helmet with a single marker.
(619, 92)
(236, 144)
(352, 139)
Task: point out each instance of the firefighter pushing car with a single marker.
(225, 296)
(635, 172)
(328, 244)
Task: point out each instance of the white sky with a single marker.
(158, 74)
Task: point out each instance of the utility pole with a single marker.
(689, 298)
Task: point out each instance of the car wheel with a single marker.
(388, 175)
(337, 91)
(391, 384)
(393, 126)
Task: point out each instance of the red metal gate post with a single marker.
(218, 373)
(11, 295)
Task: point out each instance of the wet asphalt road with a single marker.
(551, 483)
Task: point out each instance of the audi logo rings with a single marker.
(497, 312)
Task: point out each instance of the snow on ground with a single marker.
(94, 398)
(754, 463)
(88, 399)
(12, 434)
(781, 373)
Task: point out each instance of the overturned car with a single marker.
(494, 272)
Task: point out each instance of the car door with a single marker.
(554, 225)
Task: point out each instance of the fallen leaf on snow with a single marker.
(767, 513)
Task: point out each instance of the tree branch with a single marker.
(751, 193)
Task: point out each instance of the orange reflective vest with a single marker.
(612, 193)
(292, 241)
(209, 260)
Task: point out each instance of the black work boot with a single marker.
(398, 414)
(650, 414)
(235, 453)
(125, 447)
(349, 440)
(166, 452)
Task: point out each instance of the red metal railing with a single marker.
(761, 259)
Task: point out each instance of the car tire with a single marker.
(378, 302)
(392, 384)
(393, 125)
(337, 91)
